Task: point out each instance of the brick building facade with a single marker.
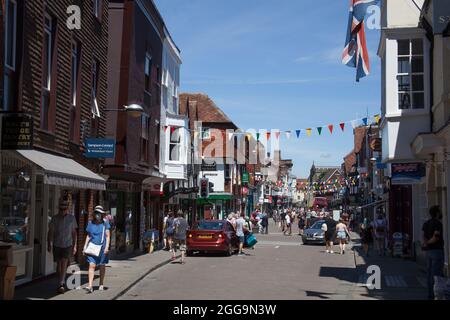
(58, 76)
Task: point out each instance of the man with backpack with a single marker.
(179, 238)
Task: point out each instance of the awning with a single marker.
(64, 172)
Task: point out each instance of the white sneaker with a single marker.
(328, 251)
(331, 251)
(101, 288)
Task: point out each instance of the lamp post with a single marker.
(134, 110)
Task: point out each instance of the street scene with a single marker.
(171, 150)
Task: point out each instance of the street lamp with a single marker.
(134, 110)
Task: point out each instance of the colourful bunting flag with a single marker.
(377, 119)
(354, 124)
(330, 127)
(277, 135)
(342, 125)
(268, 135)
(257, 136)
(298, 133)
(308, 132)
(288, 134)
(172, 129)
(319, 130)
(365, 121)
(165, 128)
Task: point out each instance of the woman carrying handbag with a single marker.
(96, 247)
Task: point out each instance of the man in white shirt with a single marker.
(288, 224)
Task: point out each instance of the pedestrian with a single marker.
(301, 224)
(62, 240)
(98, 235)
(433, 245)
(366, 234)
(342, 235)
(179, 238)
(165, 242)
(329, 234)
(232, 219)
(265, 223)
(379, 229)
(169, 231)
(288, 225)
(283, 220)
(240, 232)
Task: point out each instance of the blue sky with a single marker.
(271, 64)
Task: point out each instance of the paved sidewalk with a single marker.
(120, 276)
(400, 279)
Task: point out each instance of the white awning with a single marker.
(64, 172)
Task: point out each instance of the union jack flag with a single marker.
(355, 52)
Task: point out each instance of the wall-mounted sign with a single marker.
(209, 166)
(17, 131)
(407, 173)
(245, 178)
(441, 16)
(100, 148)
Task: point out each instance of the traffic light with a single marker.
(204, 188)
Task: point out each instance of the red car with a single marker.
(212, 236)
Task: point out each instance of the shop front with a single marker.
(32, 184)
(123, 201)
(216, 206)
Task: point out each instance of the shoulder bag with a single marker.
(94, 249)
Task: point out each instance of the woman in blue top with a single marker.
(98, 232)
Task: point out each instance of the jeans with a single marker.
(435, 267)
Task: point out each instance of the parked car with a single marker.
(212, 236)
(314, 234)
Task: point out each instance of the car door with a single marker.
(231, 234)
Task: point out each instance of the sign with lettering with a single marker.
(100, 148)
(407, 173)
(245, 178)
(17, 131)
(441, 16)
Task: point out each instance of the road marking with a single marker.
(277, 247)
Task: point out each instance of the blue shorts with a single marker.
(342, 235)
(242, 239)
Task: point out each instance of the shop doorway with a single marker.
(39, 236)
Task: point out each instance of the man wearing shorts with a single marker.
(240, 223)
(62, 239)
(179, 237)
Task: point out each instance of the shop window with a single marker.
(410, 74)
(15, 203)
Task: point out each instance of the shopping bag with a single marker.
(251, 240)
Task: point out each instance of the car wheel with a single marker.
(230, 250)
(305, 243)
(189, 253)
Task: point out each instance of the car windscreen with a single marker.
(210, 226)
(317, 225)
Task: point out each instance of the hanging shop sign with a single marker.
(407, 173)
(100, 148)
(441, 16)
(17, 131)
(245, 178)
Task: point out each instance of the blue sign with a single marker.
(100, 148)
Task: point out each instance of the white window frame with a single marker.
(94, 89)
(74, 73)
(410, 75)
(148, 71)
(48, 31)
(97, 7)
(13, 35)
(171, 143)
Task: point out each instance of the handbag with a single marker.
(94, 249)
(250, 241)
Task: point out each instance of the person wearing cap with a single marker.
(98, 232)
(62, 240)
